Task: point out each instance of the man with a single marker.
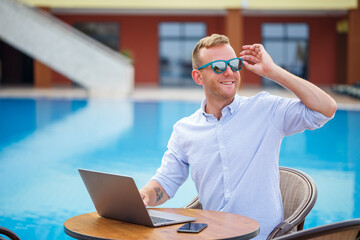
(232, 143)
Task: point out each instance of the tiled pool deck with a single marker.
(160, 93)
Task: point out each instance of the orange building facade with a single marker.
(139, 34)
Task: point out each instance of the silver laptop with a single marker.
(117, 197)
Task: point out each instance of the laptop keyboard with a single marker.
(156, 220)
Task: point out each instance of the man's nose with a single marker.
(228, 70)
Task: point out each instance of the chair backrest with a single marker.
(299, 194)
(345, 230)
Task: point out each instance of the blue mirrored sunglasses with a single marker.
(219, 66)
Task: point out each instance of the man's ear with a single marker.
(197, 77)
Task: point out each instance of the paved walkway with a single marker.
(157, 93)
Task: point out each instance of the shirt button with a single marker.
(221, 146)
(225, 168)
(227, 190)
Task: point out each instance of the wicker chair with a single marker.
(8, 233)
(345, 230)
(299, 194)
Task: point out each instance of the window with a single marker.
(287, 44)
(177, 40)
(105, 32)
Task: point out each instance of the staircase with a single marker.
(85, 61)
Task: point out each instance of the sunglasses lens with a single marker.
(235, 64)
(218, 67)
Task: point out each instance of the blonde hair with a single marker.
(207, 42)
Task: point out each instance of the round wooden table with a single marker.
(221, 225)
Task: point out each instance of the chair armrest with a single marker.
(8, 233)
(194, 204)
(280, 230)
(284, 228)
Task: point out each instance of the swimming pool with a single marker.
(43, 142)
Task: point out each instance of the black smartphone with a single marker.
(192, 227)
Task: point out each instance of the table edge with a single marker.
(244, 237)
(80, 236)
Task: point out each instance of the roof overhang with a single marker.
(198, 4)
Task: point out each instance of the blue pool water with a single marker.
(43, 142)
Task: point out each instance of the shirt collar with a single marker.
(203, 104)
(232, 106)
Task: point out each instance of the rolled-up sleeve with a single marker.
(174, 169)
(292, 116)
